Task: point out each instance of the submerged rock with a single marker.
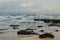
(56, 30)
(3, 29)
(15, 26)
(39, 26)
(41, 30)
(1, 32)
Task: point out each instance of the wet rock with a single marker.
(41, 30)
(39, 26)
(46, 35)
(15, 26)
(25, 32)
(56, 30)
(3, 29)
(1, 32)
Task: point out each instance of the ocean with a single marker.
(25, 21)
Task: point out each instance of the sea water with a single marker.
(7, 20)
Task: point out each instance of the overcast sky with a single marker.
(29, 6)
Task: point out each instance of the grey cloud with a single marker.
(44, 5)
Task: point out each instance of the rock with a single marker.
(41, 30)
(3, 29)
(56, 30)
(1, 32)
(46, 35)
(40, 26)
(15, 26)
(25, 32)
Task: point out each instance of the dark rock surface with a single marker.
(25, 32)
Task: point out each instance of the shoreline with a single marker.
(25, 37)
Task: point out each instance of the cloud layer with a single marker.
(30, 5)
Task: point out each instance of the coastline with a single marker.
(25, 37)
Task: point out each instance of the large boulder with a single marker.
(46, 35)
(24, 32)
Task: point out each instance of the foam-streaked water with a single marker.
(11, 34)
(23, 21)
